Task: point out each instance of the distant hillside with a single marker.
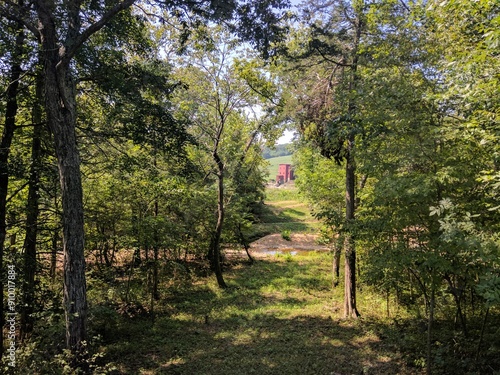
(278, 150)
(275, 162)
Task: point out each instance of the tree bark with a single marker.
(430, 323)
(156, 251)
(337, 249)
(60, 103)
(220, 223)
(350, 310)
(216, 263)
(245, 243)
(32, 211)
(5, 144)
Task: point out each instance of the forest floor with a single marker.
(280, 314)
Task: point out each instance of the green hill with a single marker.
(276, 151)
(274, 164)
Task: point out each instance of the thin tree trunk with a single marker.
(245, 243)
(32, 211)
(430, 323)
(5, 144)
(457, 290)
(216, 263)
(53, 253)
(337, 249)
(350, 310)
(481, 336)
(155, 293)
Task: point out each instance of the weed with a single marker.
(286, 235)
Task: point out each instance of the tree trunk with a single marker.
(53, 254)
(156, 251)
(60, 102)
(481, 336)
(337, 249)
(216, 263)
(5, 144)
(245, 243)
(350, 310)
(32, 211)
(430, 323)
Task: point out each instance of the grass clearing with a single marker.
(284, 211)
(278, 316)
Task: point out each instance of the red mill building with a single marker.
(285, 173)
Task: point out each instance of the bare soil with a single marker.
(275, 243)
(299, 241)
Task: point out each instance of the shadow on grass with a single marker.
(276, 318)
(273, 214)
(263, 324)
(262, 345)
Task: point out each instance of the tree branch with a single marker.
(17, 13)
(405, 5)
(95, 27)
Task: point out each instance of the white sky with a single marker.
(286, 137)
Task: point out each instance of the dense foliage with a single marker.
(133, 147)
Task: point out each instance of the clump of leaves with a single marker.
(286, 235)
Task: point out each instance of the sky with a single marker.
(286, 137)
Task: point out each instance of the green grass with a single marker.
(284, 210)
(279, 316)
(274, 164)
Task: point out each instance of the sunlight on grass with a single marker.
(271, 310)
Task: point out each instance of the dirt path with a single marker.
(299, 241)
(275, 243)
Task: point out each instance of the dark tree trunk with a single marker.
(457, 290)
(32, 210)
(350, 310)
(5, 144)
(216, 262)
(337, 249)
(53, 254)
(156, 251)
(430, 323)
(244, 241)
(60, 103)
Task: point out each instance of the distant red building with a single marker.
(285, 173)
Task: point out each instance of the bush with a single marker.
(286, 235)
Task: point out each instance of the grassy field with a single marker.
(274, 164)
(284, 210)
(278, 316)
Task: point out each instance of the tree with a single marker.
(346, 51)
(322, 182)
(421, 220)
(215, 102)
(11, 109)
(330, 117)
(62, 28)
(32, 210)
